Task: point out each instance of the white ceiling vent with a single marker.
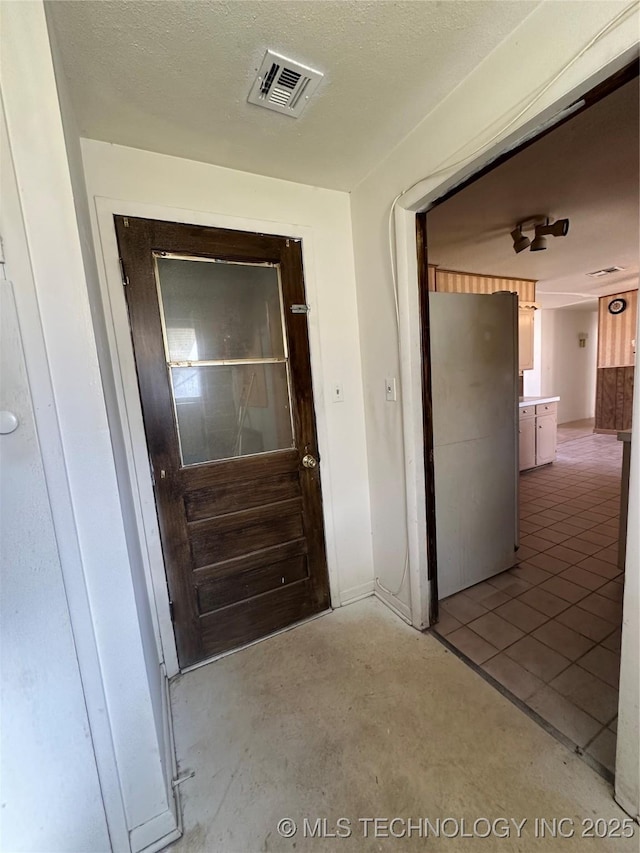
(605, 271)
(283, 85)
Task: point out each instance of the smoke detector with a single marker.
(283, 85)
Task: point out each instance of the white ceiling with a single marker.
(173, 77)
(586, 170)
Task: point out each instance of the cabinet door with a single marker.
(525, 338)
(527, 443)
(545, 439)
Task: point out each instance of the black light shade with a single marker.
(520, 242)
(543, 229)
(560, 228)
(540, 243)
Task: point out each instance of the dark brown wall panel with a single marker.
(614, 398)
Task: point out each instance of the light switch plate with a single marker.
(390, 389)
(338, 393)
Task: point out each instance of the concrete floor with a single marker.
(356, 715)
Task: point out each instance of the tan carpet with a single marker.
(356, 715)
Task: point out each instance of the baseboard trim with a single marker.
(397, 607)
(155, 834)
(627, 806)
(166, 827)
(356, 593)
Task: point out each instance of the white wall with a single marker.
(433, 157)
(532, 379)
(147, 619)
(245, 201)
(76, 444)
(566, 369)
(47, 762)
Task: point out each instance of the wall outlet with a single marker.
(338, 393)
(390, 390)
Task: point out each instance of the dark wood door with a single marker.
(222, 355)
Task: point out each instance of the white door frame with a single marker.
(420, 198)
(128, 399)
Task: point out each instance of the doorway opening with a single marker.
(545, 629)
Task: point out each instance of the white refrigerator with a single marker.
(474, 377)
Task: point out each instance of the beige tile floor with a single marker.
(548, 630)
(575, 429)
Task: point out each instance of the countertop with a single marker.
(536, 401)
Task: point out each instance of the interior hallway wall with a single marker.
(47, 763)
(131, 175)
(566, 369)
(150, 641)
(61, 355)
(491, 96)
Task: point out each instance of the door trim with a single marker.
(404, 225)
(142, 521)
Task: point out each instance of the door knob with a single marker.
(309, 461)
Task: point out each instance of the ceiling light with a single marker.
(539, 244)
(543, 229)
(520, 242)
(559, 228)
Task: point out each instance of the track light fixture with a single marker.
(520, 242)
(542, 227)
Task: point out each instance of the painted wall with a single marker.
(617, 332)
(532, 379)
(47, 762)
(127, 531)
(131, 175)
(453, 135)
(61, 355)
(567, 369)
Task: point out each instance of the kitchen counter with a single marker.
(535, 401)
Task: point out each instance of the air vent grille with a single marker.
(283, 85)
(605, 271)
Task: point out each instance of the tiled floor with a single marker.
(549, 629)
(575, 429)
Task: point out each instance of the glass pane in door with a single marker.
(216, 310)
(231, 410)
(226, 357)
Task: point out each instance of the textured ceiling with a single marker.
(173, 77)
(586, 170)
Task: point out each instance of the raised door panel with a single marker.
(546, 429)
(527, 443)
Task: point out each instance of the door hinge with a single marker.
(299, 309)
(125, 277)
(171, 609)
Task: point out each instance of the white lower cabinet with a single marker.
(545, 439)
(527, 443)
(537, 435)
